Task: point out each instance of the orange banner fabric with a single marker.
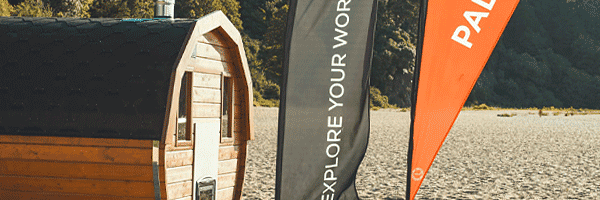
(460, 36)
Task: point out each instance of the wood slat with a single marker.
(76, 154)
(179, 158)
(76, 141)
(163, 190)
(7, 194)
(227, 166)
(224, 37)
(179, 190)
(178, 148)
(34, 168)
(179, 174)
(226, 180)
(206, 95)
(78, 186)
(241, 171)
(207, 80)
(239, 112)
(203, 64)
(225, 194)
(211, 38)
(238, 138)
(240, 125)
(202, 110)
(212, 52)
(185, 198)
(228, 152)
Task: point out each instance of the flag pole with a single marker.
(282, 100)
(415, 86)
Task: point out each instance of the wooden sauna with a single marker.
(123, 108)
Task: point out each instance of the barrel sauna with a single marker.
(123, 108)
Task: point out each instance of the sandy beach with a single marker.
(484, 157)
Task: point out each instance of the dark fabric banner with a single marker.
(324, 107)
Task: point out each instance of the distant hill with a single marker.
(549, 55)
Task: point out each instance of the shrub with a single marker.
(506, 115)
(377, 100)
(260, 101)
(482, 107)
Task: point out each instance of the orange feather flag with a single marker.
(458, 38)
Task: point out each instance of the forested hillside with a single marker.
(549, 54)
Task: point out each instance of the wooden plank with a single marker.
(224, 37)
(179, 158)
(76, 154)
(8, 194)
(206, 95)
(226, 180)
(242, 119)
(240, 112)
(238, 138)
(163, 190)
(227, 166)
(179, 174)
(179, 148)
(203, 110)
(76, 141)
(211, 38)
(212, 52)
(185, 198)
(228, 152)
(206, 80)
(225, 194)
(80, 186)
(179, 190)
(240, 127)
(241, 171)
(203, 64)
(35, 168)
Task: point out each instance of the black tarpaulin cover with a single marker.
(100, 78)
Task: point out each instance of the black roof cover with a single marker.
(99, 78)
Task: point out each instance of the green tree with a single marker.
(70, 8)
(33, 8)
(254, 15)
(142, 9)
(394, 50)
(547, 56)
(5, 8)
(199, 8)
(272, 53)
(123, 8)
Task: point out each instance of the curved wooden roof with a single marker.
(106, 78)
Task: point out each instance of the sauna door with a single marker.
(206, 154)
(206, 125)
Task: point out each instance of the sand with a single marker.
(484, 157)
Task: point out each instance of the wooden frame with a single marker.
(230, 110)
(189, 128)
